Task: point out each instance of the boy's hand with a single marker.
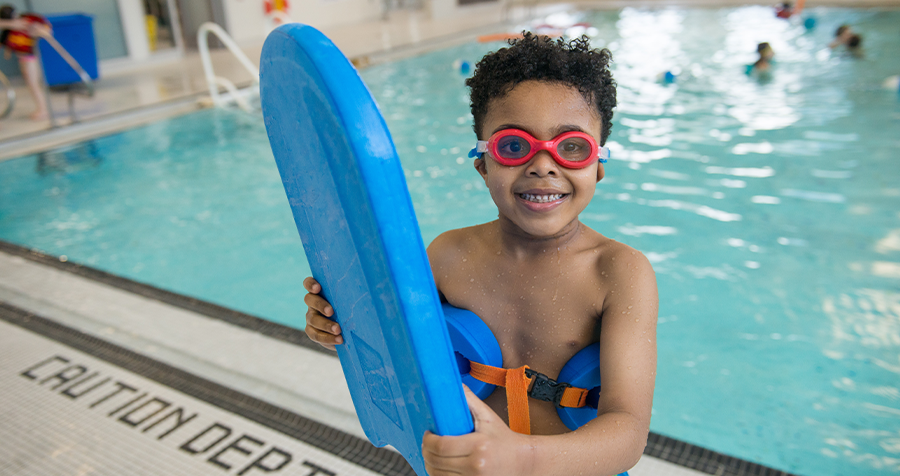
(492, 449)
(319, 327)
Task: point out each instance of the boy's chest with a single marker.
(540, 317)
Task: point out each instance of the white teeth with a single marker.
(541, 198)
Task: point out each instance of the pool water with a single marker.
(769, 207)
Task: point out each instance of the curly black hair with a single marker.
(540, 58)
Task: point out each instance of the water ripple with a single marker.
(701, 210)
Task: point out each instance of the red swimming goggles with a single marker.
(512, 147)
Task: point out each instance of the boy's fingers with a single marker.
(442, 468)
(481, 413)
(312, 285)
(323, 338)
(438, 447)
(321, 323)
(314, 301)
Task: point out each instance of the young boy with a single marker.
(545, 284)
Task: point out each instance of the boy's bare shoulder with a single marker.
(456, 253)
(626, 274)
(461, 240)
(616, 261)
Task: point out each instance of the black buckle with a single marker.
(545, 388)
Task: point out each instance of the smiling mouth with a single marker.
(542, 198)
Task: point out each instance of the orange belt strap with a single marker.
(523, 382)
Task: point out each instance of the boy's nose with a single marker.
(542, 164)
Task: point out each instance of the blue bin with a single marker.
(75, 33)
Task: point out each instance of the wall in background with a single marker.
(247, 23)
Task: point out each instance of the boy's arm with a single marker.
(320, 325)
(609, 444)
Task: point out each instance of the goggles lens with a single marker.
(512, 147)
(575, 149)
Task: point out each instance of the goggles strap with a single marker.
(605, 154)
(480, 148)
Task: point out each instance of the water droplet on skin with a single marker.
(629, 307)
(637, 320)
(472, 280)
(465, 259)
(498, 253)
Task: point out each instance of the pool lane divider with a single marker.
(658, 446)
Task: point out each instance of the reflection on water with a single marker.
(69, 159)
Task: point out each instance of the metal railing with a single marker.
(213, 81)
(86, 81)
(85, 78)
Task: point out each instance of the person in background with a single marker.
(19, 35)
(764, 63)
(854, 45)
(844, 35)
(784, 10)
(841, 36)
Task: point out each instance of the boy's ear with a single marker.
(481, 167)
(601, 172)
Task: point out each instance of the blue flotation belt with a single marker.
(575, 392)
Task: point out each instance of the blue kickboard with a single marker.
(352, 208)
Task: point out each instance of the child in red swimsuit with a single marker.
(20, 35)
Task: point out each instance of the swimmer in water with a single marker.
(841, 36)
(545, 284)
(845, 36)
(764, 63)
(854, 45)
(784, 10)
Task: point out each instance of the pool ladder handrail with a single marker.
(213, 81)
(85, 78)
(10, 96)
(73, 63)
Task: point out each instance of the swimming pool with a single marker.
(768, 208)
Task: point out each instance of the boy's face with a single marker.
(540, 197)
